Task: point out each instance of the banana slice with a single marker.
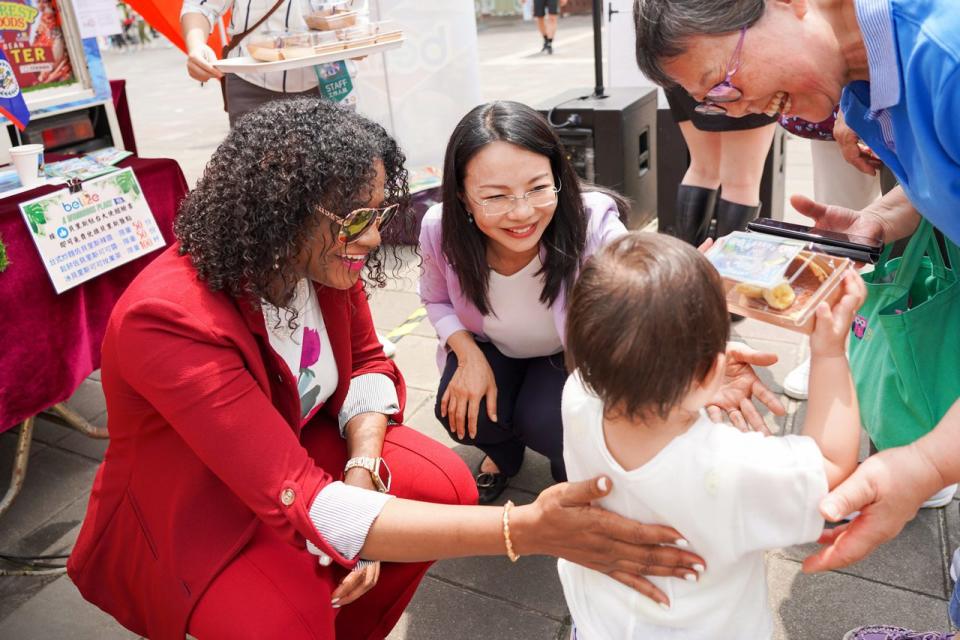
(749, 290)
(780, 297)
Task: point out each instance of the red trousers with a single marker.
(275, 590)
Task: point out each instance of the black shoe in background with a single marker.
(490, 486)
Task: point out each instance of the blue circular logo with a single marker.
(62, 232)
(8, 82)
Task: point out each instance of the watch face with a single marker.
(383, 472)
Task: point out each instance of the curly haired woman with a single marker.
(257, 451)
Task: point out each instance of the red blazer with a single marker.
(204, 422)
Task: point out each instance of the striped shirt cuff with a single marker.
(343, 515)
(369, 392)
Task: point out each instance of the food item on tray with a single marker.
(334, 19)
(780, 297)
(803, 278)
(271, 46)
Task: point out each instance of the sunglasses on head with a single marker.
(724, 91)
(356, 223)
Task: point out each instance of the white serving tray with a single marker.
(246, 64)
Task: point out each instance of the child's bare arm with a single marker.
(833, 414)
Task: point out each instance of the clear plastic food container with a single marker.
(326, 15)
(330, 22)
(270, 46)
(777, 281)
(370, 33)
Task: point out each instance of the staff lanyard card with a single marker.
(752, 258)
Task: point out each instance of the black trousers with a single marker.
(528, 410)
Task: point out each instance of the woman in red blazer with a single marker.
(255, 423)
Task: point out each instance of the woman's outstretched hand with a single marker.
(562, 522)
(741, 387)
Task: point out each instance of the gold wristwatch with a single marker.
(379, 471)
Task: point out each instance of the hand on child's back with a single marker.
(829, 337)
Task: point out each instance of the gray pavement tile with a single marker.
(56, 535)
(440, 611)
(913, 560)
(416, 357)
(54, 480)
(951, 516)
(15, 591)
(530, 583)
(534, 475)
(88, 399)
(825, 606)
(8, 449)
(425, 330)
(391, 308)
(749, 329)
(93, 448)
(48, 431)
(417, 398)
(424, 421)
(59, 611)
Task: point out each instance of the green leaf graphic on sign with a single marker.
(126, 183)
(36, 216)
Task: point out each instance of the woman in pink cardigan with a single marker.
(499, 255)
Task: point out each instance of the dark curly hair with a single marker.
(256, 204)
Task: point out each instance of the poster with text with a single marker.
(31, 35)
(83, 235)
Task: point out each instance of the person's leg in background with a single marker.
(537, 417)
(742, 156)
(545, 12)
(836, 181)
(499, 441)
(697, 193)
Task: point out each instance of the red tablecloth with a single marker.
(49, 343)
(119, 90)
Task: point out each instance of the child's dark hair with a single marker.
(646, 320)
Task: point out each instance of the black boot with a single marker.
(734, 217)
(694, 212)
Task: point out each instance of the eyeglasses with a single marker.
(504, 204)
(723, 92)
(356, 223)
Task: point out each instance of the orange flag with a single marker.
(164, 16)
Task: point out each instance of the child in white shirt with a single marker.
(646, 334)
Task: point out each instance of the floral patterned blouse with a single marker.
(306, 349)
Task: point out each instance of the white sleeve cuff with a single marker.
(369, 392)
(447, 326)
(343, 515)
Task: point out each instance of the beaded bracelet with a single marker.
(506, 532)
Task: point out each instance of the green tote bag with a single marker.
(905, 342)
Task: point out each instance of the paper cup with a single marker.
(28, 161)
